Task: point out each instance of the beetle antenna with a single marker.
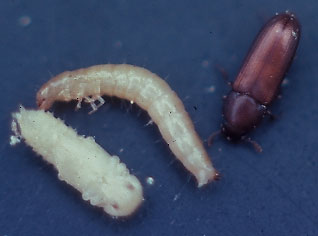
(224, 74)
(212, 136)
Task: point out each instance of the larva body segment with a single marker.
(102, 179)
(151, 93)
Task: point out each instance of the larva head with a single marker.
(44, 97)
(56, 89)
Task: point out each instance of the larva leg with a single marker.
(92, 100)
(80, 161)
(150, 122)
(92, 103)
(100, 100)
(79, 104)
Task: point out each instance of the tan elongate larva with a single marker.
(102, 179)
(150, 92)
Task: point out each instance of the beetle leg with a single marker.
(212, 136)
(257, 147)
(270, 114)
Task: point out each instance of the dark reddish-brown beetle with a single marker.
(258, 81)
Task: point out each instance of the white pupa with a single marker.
(101, 178)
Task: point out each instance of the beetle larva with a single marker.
(150, 92)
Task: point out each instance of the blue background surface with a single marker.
(273, 193)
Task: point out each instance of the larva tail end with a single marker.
(217, 176)
(207, 176)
